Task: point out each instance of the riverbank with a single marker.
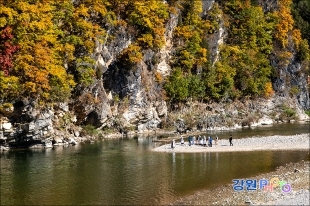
(295, 174)
(276, 142)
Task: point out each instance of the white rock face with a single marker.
(265, 121)
(57, 139)
(163, 67)
(207, 5)
(7, 125)
(301, 115)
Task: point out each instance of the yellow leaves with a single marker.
(41, 79)
(202, 56)
(148, 18)
(81, 11)
(7, 16)
(98, 6)
(89, 45)
(132, 54)
(194, 10)
(146, 40)
(25, 59)
(3, 22)
(9, 85)
(268, 92)
(296, 35)
(69, 49)
(30, 87)
(185, 32)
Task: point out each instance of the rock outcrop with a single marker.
(133, 99)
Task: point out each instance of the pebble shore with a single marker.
(276, 142)
(297, 174)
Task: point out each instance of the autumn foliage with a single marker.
(47, 47)
(7, 49)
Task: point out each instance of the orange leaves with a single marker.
(40, 56)
(285, 24)
(268, 89)
(43, 54)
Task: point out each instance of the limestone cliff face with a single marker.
(134, 98)
(143, 92)
(139, 88)
(288, 75)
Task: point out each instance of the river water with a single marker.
(125, 171)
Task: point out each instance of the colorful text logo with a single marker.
(263, 184)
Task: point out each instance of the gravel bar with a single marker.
(276, 142)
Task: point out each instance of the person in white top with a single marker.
(204, 141)
(182, 140)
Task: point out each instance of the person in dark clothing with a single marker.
(210, 141)
(230, 141)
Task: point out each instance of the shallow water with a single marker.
(125, 171)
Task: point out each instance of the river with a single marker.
(125, 171)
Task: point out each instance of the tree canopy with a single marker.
(47, 47)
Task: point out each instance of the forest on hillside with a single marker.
(47, 46)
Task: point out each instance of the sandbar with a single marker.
(257, 143)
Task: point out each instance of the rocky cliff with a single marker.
(134, 100)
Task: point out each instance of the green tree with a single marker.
(301, 14)
(177, 86)
(219, 79)
(149, 18)
(196, 87)
(249, 45)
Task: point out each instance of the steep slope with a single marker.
(143, 65)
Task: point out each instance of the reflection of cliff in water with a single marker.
(124, 171)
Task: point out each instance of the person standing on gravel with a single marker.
(204, 141)
(216, 140)
(189, 140)
(182, 140)
(230, 141)
(173, 144)
(210, 141)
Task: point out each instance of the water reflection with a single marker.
(123, 171)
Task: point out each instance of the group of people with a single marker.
(203, 141)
